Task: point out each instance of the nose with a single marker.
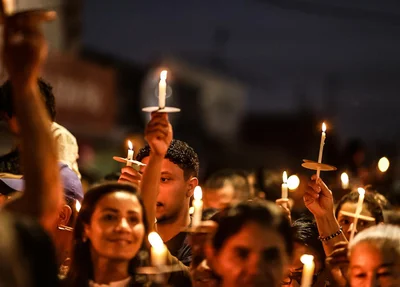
(255, 265)
(123, 225)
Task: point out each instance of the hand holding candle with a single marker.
(130, 154)
(198, 206)
(162, 89)
(359, 207)
(308, 270)
(321, 147)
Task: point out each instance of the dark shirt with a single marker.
(180, 248)
(10, 162)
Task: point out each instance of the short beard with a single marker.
(168, 218)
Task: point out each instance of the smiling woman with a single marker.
(108, 236)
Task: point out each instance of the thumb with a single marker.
(325, 191)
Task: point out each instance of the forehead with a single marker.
(256, 238)
(167, 167)
(121, 201)
(352, 206)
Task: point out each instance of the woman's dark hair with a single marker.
(231, 221)
(305, 232)
(373, 206)
(81, 270)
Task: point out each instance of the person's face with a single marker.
(116, 229)
(370, 267)
(219, 198)
(347, 222)
(255, 256)
(175, 191)
(296, 266)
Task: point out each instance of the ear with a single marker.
(192, 183)
(64, 215)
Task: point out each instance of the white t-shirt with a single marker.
(67, 147)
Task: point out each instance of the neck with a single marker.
(63, 244)
(170, 228)
(106, 271)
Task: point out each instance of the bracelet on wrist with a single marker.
(327, 238)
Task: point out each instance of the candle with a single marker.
(158, 250)
(321, 147)
(198, 206)
(162, 89)
(383, 164)
(308, 270)
(77, 205)
(9, 6)
(130, 154)
(284, 186)
(344, 178)
(361, 195)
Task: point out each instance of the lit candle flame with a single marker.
(155, 240)
(293, 182)
(361, 191)
(78, 206)
(163, 75)
(306, 259)
(344, 178)
(284, 177)
(383, 164)
(198, 193)
(130, 145)
(323, 127)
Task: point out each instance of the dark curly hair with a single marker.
(181, 154)
(372, 204)
(46, 90)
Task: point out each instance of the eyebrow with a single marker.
(166, 173)
(110, 209)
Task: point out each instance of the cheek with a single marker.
(138, 232)
(228, 267)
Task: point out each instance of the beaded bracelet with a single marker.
(324, 239)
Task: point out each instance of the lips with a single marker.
(121, 240)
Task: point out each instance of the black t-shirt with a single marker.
(180, 248)
(10, 162)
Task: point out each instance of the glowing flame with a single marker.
(77, 206)
(361, 191)
(383, 164)
(284, 177)
(198, 193)
(155, 240)
(130, 145)
(345, 178)
(293, 182)
(324, 127)
(307, 259)
(191, 210)
(163, 75)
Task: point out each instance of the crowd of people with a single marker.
(54, 234)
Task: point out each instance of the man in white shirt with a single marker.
(66, 143)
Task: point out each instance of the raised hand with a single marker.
(25, 48)
(318, 198)
(130, 175)
(158, 134)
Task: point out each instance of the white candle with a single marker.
(77, 205)
(130, 154)
(321, 147)
(9, 6)
(344, 178)
(198, 206)
(361, 195)
(308, 270)
(284, 186)
(162, 89)
(158, 250)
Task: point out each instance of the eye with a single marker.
(385, 273)
(360, 275)
(109, 217)
(164, 179)
(271, 254)
(344, 221)
(242, 253)
(133, 219)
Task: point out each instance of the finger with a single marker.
(311, 193)
(314, 186)
(130, 170)
(341, 244)
(159, 133)
(281, 201)
(158, 124)
(129, 178)
(324, 188)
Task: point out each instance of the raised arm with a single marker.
(319, 200)
(25, 50)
